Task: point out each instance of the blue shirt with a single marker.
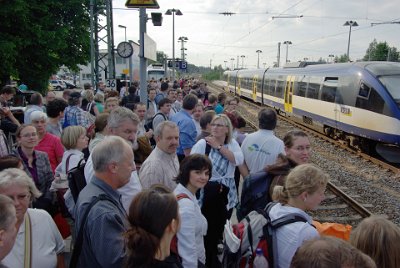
(187, 131)
(219, 109)
(103, 242)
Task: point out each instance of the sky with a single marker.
(215, 39)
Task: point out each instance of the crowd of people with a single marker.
(162, 179)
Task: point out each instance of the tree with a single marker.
(342, 58)
(39, 36)
(381, 52)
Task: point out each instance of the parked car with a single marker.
(58, 84)
(69, 85)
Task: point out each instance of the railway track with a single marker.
(338, 206)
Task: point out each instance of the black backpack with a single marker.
(149, 125)
(76, 179)
(255, 193)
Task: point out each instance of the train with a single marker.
(156, 71)
(358, 102)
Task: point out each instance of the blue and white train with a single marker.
(357, 102)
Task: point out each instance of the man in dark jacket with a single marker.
(130, 100)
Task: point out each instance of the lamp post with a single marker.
(331, 56)
(243, 56)
(287, 43)
(225, 61)
(126, 64)
(232, 59)
(351, 24)
(183, 40)
(178, 13)
(258, 58)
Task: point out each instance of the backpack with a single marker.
(256, 230)
(76, 179)
(149, 125)
(255, 193)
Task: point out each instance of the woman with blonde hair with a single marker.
(88, 103)
(219, 196)
(378, 238)
(303, 190)
(110, 104)
(38, 242)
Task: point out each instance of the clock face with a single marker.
(124, 49)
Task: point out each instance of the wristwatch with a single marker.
(219, 147)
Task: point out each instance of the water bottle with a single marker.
(260, 261)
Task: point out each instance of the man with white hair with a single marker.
(102, 224)
(48, 143)
(121, 122)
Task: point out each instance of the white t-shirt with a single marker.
(47, 242)
(260, 149)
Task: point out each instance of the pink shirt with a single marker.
(51, 145)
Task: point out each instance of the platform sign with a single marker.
(142, 3)
(182, 65)
(111, 83)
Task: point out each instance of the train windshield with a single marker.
(392, 83)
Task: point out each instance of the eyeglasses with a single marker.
(28, 135)
(217, 125)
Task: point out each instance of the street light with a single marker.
(232, 59)
(287, 43)
(351, 24)
(183, 40)
(331, 56)
(258, 58)
(243, 56)
(178, 13)
(225, 61)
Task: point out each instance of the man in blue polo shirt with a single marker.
(187, 128)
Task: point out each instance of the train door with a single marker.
(289, 94)
(254, 93)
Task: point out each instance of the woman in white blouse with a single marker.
(220, 195)
(194, 172)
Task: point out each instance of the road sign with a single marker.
(182, 65)
(111, 83)
(142, 3)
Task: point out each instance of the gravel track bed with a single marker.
(369, 183)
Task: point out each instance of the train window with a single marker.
(364, 91)
(373, 103)
(259, 85)
(280, 85)
(313, 88)
(300, 86)
(392, 85)
(329, 87)
(272, 83)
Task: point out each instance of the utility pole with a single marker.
(279, 54)
(210, 63)
(101, 31)
(143, 60)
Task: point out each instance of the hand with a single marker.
(212, 141)
(149, 133)
(6, 111)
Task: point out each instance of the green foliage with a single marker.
(381, 52)
(342, 58)
(39, 36)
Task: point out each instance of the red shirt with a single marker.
(51, 145)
